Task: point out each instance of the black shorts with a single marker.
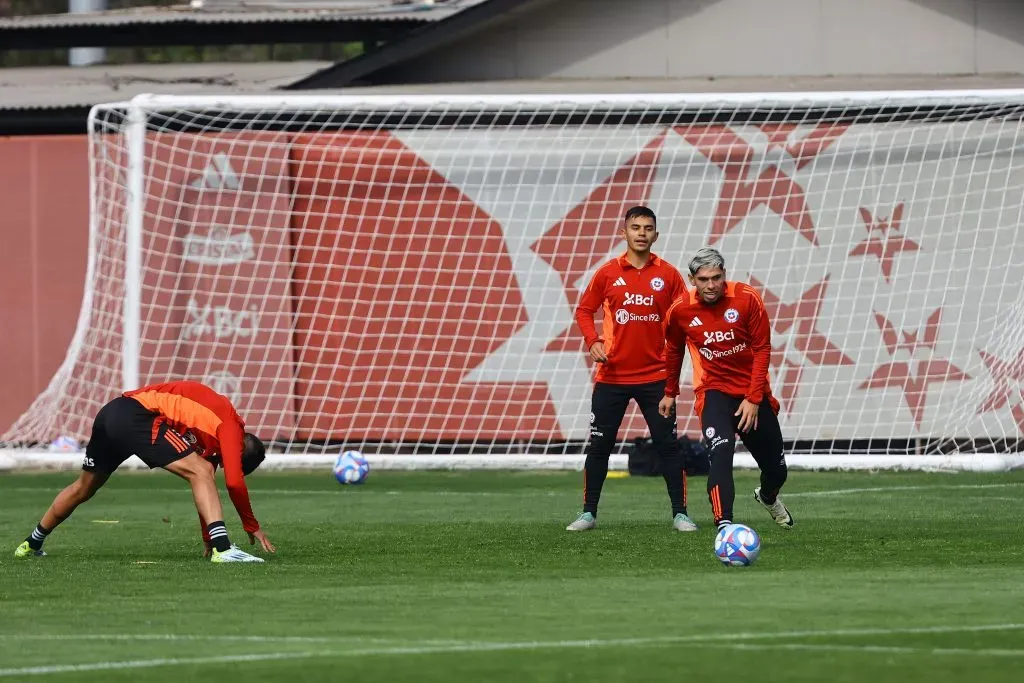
(720, 425)
(123, 428)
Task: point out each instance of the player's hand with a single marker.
(258, 535)
(597, 353)
(667, 406)
(747, 413)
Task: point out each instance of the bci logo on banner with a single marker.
(221, 321)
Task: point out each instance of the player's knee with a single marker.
(720, 446)
(782, 472)
(600, 443)
(194, 469)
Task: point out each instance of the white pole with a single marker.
(84, 56)
(136, 181)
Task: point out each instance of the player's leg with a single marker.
(177, 456)
(73, 495)
(666, 444)
(200, 477)
(766, 447)
(607, 408)
(101, 459)
(718, 422)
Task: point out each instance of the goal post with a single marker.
(398, 273)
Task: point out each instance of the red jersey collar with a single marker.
(653, 261)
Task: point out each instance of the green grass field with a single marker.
(470, 577)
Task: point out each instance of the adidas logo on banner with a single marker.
(621, 282)
(218, 175)
(695, 322)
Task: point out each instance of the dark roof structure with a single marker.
(223, 22)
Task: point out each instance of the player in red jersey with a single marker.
(725, 327)
(634, 292)
(185, 428)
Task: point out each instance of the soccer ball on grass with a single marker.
(737, 545)
(351, 468)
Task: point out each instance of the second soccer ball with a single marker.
(351, 468)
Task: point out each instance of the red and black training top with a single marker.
(207, 419)
(634, 303)
(730, 344)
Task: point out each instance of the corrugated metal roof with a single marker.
(60, 87)
(238, 15)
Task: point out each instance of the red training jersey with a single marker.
(208, 421)
(634, 302)
(730, 345)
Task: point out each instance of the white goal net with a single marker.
(398, 274)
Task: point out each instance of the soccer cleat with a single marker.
(777, 510)
(585, 522)
(683, 523)
(233, 554)
(25, 550)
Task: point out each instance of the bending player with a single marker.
(635, 292)
(725, 327)
(185, 428)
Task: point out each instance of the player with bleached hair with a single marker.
(726, 329)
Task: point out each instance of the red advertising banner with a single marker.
(217, 263)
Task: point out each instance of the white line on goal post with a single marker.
(683, 100)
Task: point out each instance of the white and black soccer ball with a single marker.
(737, 545)
(351, 467)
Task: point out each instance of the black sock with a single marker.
(36, 538)
(595, 471)
(768, 497)
(722, 523)
(218, 536)
(675, 482)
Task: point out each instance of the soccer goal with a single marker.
(398, 273)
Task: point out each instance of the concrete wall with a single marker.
(694, 38)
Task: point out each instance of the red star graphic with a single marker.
(897, 373)
(1005, 374)
(802, 318)
(741, 194)
(882, 243)
(589, 231)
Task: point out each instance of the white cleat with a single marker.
(585, 522)
(234, 554)
(777, 510)
(683, 523)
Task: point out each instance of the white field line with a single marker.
(887, 489)
(873, 649)
(543, 492)
(718, 640)
(148, 663)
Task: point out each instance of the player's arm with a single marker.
(678, 287)
(589, 304)
(675, 343)
(230, 436)
(760, 334)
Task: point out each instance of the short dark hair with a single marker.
(641, 212)
(253, 453)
